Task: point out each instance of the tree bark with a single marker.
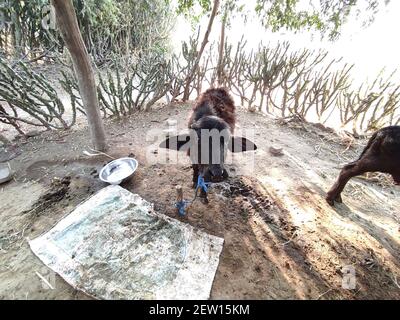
(189, 78)
(68, 26)
(16, 30)
(4, 140)
(220, 67)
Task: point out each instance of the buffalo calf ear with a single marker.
(240, 144)
(179, 142)
(195, 125)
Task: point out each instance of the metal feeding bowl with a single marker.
(116, 171)
(5, 173)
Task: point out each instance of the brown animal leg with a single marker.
(396, 178)
(225, 175)
(351, 170)
(203, 196)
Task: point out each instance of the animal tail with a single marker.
(369, 144)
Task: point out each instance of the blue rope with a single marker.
(202, 184)
(182, 205)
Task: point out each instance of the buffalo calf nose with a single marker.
(216, 171)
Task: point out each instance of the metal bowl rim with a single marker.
(119, 159)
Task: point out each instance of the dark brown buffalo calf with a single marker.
(211, 126)
(382, 154)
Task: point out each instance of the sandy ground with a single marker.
(282, 240)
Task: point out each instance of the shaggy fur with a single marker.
(215, 102)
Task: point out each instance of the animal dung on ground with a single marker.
(115, 246)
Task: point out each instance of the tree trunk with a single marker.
(220, 67)
(189, 78)
(4, 140)
(17, 32)
(68, 26)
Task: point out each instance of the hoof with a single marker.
(204, 200)
(331, 200)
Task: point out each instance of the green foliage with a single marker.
(192, 10)
(283, 14)
(110, 28)
(325, 16)
(185, 6)
(103, 14)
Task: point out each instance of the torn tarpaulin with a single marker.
(115, 246)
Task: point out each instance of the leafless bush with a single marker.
(306, 84)
(272, 79)
(181, 66)
(27, 97)
(136, 88)
(371, 106)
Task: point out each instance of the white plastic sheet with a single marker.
(115, 246)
